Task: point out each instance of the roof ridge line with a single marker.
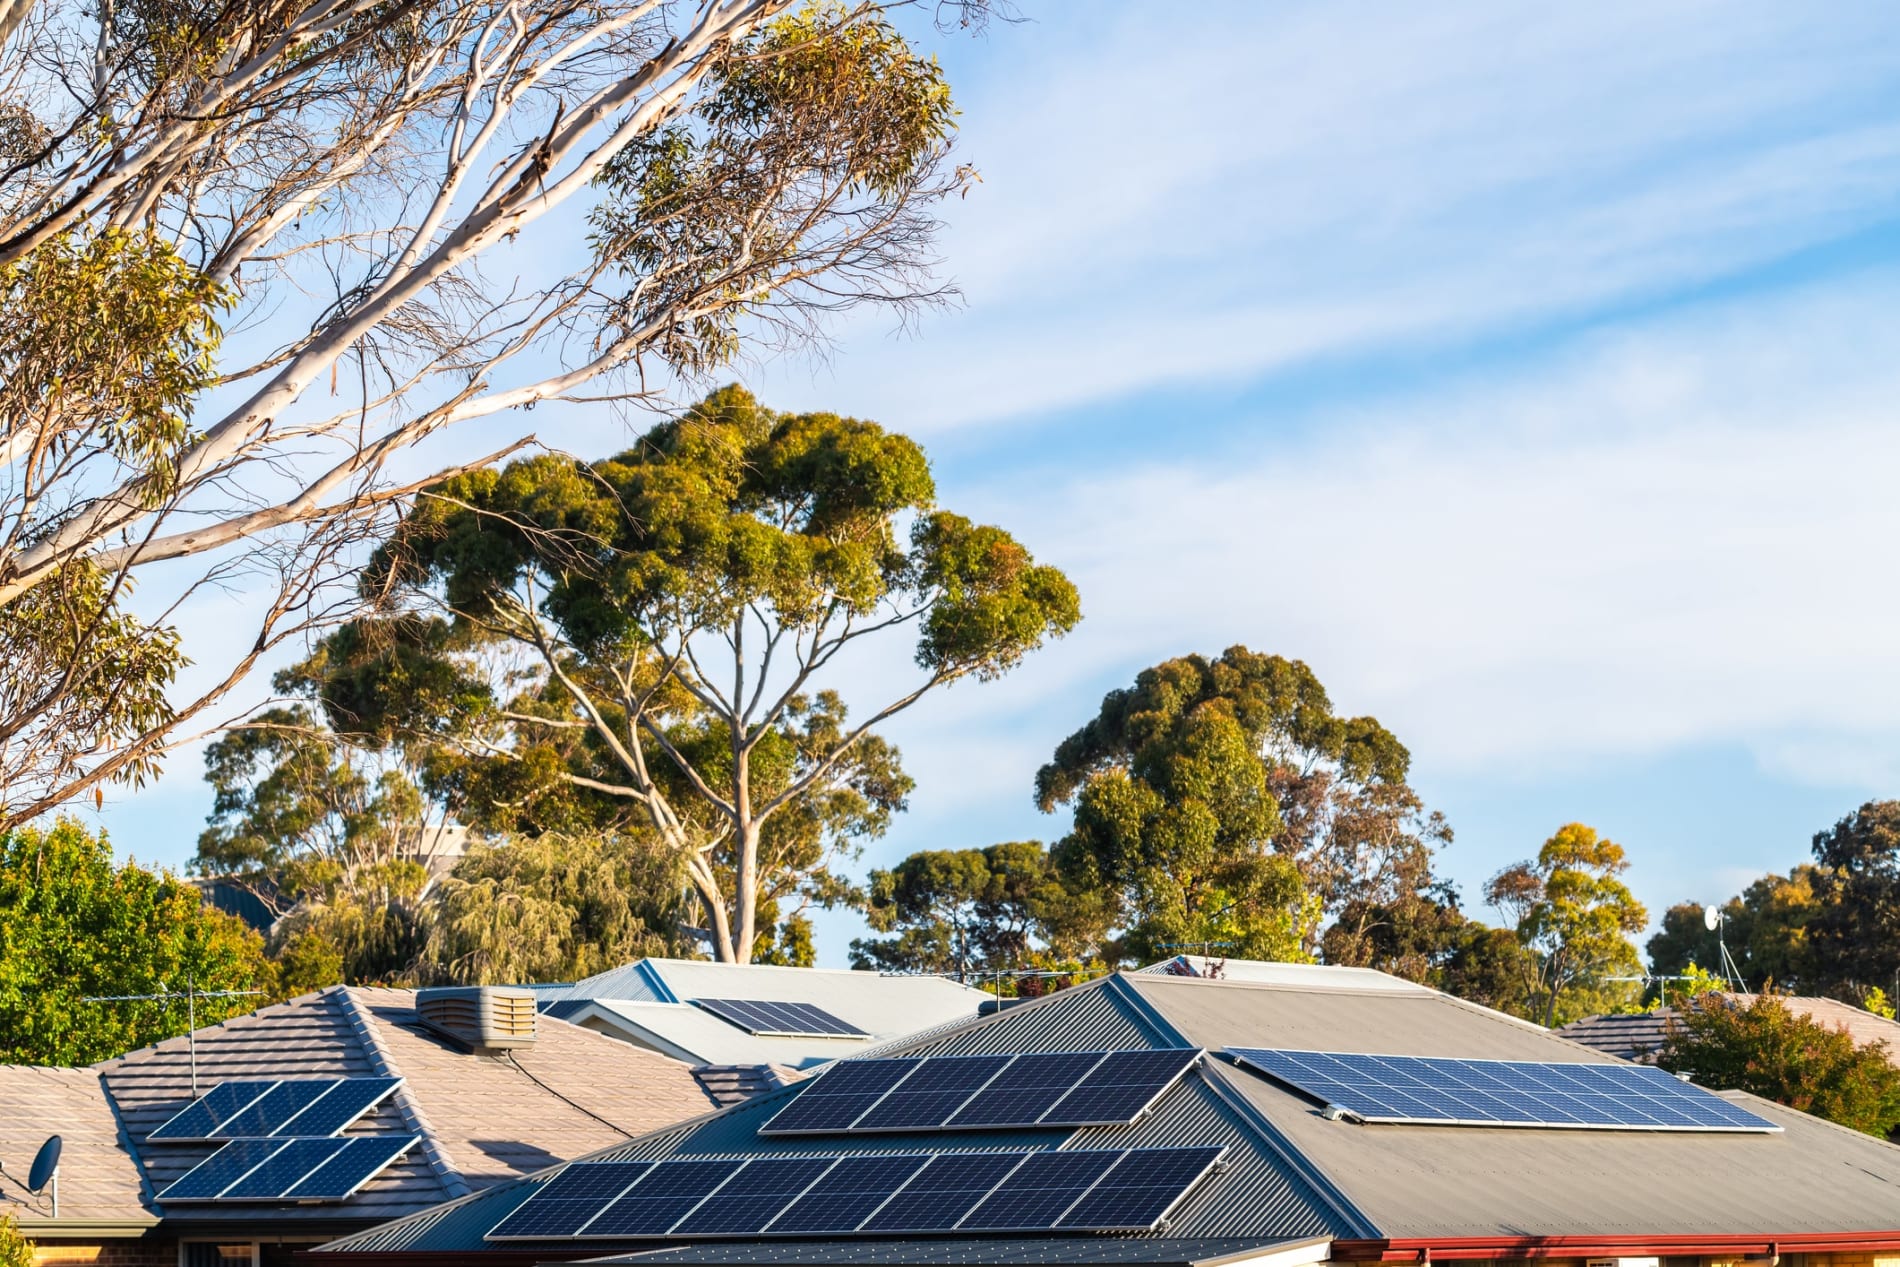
(148, 1191)
(1315, 1176)
(385, 1064)
(1145, 1011)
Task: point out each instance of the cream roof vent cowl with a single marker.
(483, 1018)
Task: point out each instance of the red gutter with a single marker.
(1427, 1249)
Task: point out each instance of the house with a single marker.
(1163, 1118)
(1640, 1035)
(675, 1006)
(449, 1105)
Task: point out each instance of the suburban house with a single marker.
(404, 1102)
(1639, 1035)
(683, 1008)
(1170, 1118)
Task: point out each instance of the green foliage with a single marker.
(1765, 930)
(553, 908)
(73, 923)
(1764, 1048)
(15, 1249)
(965, 911)
(1877, 1002)
(1571, 909)
(541, 654)
(1425, 937)
(1854, 935)
(1179, 818)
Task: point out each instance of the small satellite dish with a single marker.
(45, 1165)
(1711, 917)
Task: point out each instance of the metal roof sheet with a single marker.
(1011, 1252)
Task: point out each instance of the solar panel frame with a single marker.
(215, 1107)
(265, 1115)
(747, 1202)
(343, 1104)
(844, 1092)
(573, 1197)
(941, 1194)
(779, 1019)
(1142, 1189)
(1553, 1095)
(933, 1094)
(284, 1169)
(1122, 1088)
(662, 1197)
(854, 1186)
(360, 1160)
(1040, 1191)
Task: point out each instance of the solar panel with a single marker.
(1026, 1090)
(932, 1094)
(839, 1096)
(348, 1100)
(1438, 1091)
(661, 1198)
(750, 1200)
(361, 1159)
(983, 1092)
(1040, 1191)
(1121, 1088)
(849, 1193)
(197, 1120)
(939, 1195)
(278, 1169)
(1141, 1189)
(219, 1171)
(564, 1204)
(768, 1016)
(306, 1107)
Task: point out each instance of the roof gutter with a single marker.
(1425, 1249)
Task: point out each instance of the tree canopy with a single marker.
(1574, 914)
(345, 184)
(74, 923)
(1762, 1047)
(1222, 801)
(964, 911)
(1765, 932)
(651, 644)
(1853, 936)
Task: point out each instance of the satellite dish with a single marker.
(1711, 917)
(45, 1165)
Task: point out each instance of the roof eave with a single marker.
(1766, 1249)
(62, 1229)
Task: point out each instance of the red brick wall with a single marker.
(111, 1253)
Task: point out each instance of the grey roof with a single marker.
(1326, 976)
(1640, 1035)
(650, 1002)
(483, 1119)
(1205, 1251)
(729, 1084)
(99, 1183)
(1292, 1175)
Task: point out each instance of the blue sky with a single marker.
(1530, 373)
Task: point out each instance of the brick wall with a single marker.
(128, 1252)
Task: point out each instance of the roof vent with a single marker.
(483, 1018)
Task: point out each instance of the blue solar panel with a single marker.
(766, 1016)
(849, 1193)
(361, 1159)
(751, 1199)
(219, 1171)
(1138, 1192)
(939, 1195)
(1122, 1087)
(1040, 1191)
(663, 1196)
(839, 1096)
(348, 1100)
(1438, 1091)
(1026, 1090)
(564, 1204)
(203, 1116)
(285, 1169)
(272, 1109)
(938, 1088)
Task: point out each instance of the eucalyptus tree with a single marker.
(358, 189)
(658, 643)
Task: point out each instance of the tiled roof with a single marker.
(1640, 1035)
(98, 1181)
(483, 1118)
(1634, 1036)
(729, 1084)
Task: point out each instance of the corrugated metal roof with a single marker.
(697, 1036)
(1014, 1252)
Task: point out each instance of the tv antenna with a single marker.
(191, 995)
(1716, 921)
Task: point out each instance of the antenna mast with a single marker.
(191, 996)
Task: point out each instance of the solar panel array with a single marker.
(1434, 1090)
(951, 1093)
(282, 1108)
(1105, 1190)
(789, 1020)
(324, 1169)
